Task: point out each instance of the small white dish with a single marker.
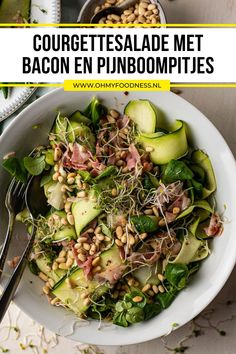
(42, 11)
(204, 286)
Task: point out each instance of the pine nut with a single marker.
(60, 179)
(127, 12)
(60, 260)
(63, 266)
(161, 289)
(141, 11)
(86, 302)
(124, 238)
(71, 180)
(55, 176)
(143, 236)
(69, 262)
(131, 17)
(176, 210)
(70, 219)
(162, 222)
(98, 230)
(119, 231)
(146, 288)
(54, 301)
(137, 299)
(131, 282)
(82, 239)
(148, 13)
(97, 269)
(155, 211)
(155, 289)
(90, 231)
(95, 261)
(120, 163)
(86, 246)
(62, 254)
(46, 290)
(81, 194)
(119, 243)
(97, 9)
(149, 149)
(148, 212)
(82, 257)
(51, 282)
(67, 206)
(143, 4)
(161, 277)
(114, 192)
(43, 276)
(100, 237)
(55, 266)
(152, 7)
(112, 112)
(131, 240)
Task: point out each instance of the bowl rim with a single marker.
(217, 287)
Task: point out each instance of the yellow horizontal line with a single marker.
(171, 85)
(117, 25)
(31, 85)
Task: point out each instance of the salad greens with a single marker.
(131, 214)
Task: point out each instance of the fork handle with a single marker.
(14, 281)
(5, 247)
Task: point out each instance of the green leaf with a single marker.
(119, 319)
(110, 170)
(144, 223)
(86, 177)
(45, 179)
(16, 168)
(177, 275)
(95, 111)
(35, 165)
(177, 171)
(34, 268)
(202, 204)
(134, 315)
(152, 310)
(166, 298)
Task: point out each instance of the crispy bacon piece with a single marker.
(215, 226)
(112, 274)
(133, 157)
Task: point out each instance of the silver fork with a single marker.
(14, 202)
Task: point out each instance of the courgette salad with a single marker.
(131, 212)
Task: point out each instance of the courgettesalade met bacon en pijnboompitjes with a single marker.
(130, 212)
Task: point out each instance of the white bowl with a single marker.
(204, 286)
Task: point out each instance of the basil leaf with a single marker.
(166, 298)
(85, 176)
(177, 275)
(95, 111)
(177, 171)
(34, 268)
(134, 315)
(144, 223)
(110, 170)
(16, 168)
(119, 319)
(34, 165)
(151, 310)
